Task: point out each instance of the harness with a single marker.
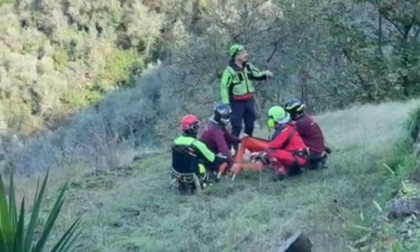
(187, 178)
(186, 161)
(185, 158)
(302, 153)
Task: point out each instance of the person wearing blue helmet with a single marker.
(216, 136)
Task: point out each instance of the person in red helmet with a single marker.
(217, 137)
(190, 154)
(286, 151)
(311, 133)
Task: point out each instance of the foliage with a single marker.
(14, 237)
(68, 55)
(412, 126)
(401, 167)
(60, 57)
(63, 56)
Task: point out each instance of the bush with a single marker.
(123, 123)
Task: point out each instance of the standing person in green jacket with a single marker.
(237, 90)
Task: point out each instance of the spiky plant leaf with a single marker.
(35, 213)
(20, 228)
(6, 231)
(14, 237)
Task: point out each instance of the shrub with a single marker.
(14, 237)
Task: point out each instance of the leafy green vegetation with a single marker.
(330, 53)
(15, 236)
(377, 231)
(104, 83)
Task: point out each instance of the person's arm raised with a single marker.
(257, 74)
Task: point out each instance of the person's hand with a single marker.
(328, 150)
(241, 137)
(269, 74)
(254, 154)
(258, 156)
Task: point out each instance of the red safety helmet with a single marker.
(190, 124)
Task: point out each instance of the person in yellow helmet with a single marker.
(237, 89)
(287, 152)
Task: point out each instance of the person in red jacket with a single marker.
(311, 133)
(217, 138)
(286, 150)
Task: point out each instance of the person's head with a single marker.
(239, 53)
(222, 113)
(295, 108)
(277, 115)
(190, 125)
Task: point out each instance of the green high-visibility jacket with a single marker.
(236, 81)
(202, 150)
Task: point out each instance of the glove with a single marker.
(220, 158)
(328, 150)
(268, 73)
(243, 136)
(220, 155)
(260, 157)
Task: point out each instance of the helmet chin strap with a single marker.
(284, 120)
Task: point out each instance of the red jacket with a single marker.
(311, 134)
(286, 138)
(218, 139)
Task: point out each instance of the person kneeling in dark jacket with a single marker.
(311, 133)
(216, 136)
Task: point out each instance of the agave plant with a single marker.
(15, 236)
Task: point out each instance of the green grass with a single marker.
(135, 210)
(397, 235)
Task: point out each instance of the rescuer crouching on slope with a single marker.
(217, 138)
(286, 152)
(311, 133)
(190, 155)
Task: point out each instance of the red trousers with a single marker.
(286, 161)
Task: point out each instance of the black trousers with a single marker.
(242, 111)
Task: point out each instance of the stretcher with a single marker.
(249, 144)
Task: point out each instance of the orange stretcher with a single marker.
(252, 144)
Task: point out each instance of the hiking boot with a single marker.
(280, 174)
(320, 163)
(212, 177)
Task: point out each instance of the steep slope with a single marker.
(133, 209)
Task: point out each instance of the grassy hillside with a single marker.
(133, 209)
(93, 57)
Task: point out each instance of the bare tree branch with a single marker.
(417, 33)
(392, 22)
